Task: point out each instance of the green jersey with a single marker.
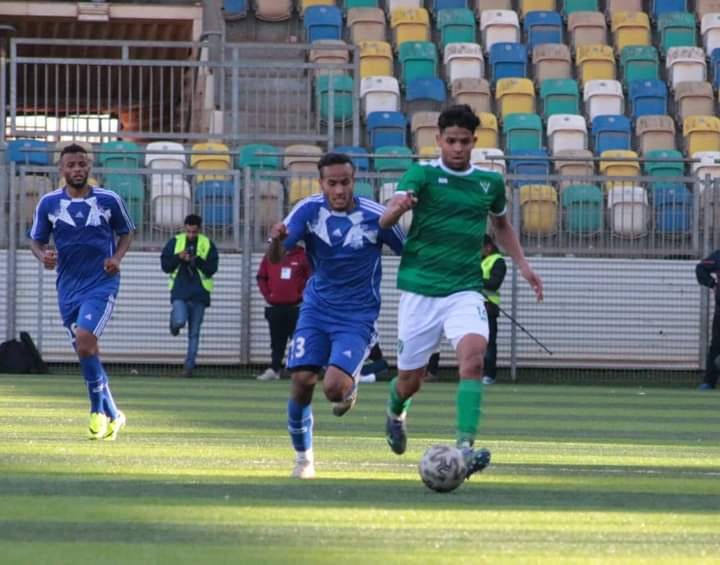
(443, 248)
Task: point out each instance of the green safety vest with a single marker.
(486, 266)
(203, 250)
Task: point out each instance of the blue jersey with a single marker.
(84, 231)
(345, 251)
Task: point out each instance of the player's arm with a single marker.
(39, 237)
(705, 269)
(286, 234)
(405, 198)
(112, 264)
(48, 257)
(508, 240)
(497, 275)
(276, 249)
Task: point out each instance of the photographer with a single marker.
(191, 260)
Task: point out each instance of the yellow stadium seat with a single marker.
(630, 28)
(701, 133)
(474, 92)
(302, 187)
(612, 168)
(538, 205)
(210, 156)
(429, 152)
(305, 4)
(376, 59)
(536, 6)
(410, 24)
(595, 62)
(515, 96)
(487, 132)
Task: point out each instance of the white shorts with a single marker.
(423, 319)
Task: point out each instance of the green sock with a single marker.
(397, 405)
(468, 402)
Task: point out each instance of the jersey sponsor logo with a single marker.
(79, 215)
(62, 214)
(442, 180)
(347, 353)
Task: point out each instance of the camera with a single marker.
(190, 249)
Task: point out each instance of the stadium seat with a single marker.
(614, 6)
(685, 64)
(357, 154)
(424, 129)
(715, 66)
(566, 131)
(456, 25)
(538, 206)
(707, 166)
(273, 10)
(514, 96)
(215, 201)
(437, 5)
(648, 98)
(424, 95)
(664, 163)
(489, 159)
(322, 22)
(302, 187)
(392, 5)
(120, 155)
(528, 6)
(570, 7)
(610, 132)
(348, 5)
(594, 62)
(672, 207)
(341, 87)
(395, 158)
(463, 60)
(32, 187)
(170, 201)
(376, 59)
(559, 96)
(418, 59)
(701, 133)
(483, 5)
(587, 28)
(409, 24)
(233, 10)
(628, 211)
(366, 24)
(630, 28)
(579, 163)
(303, 5)
(499, 26)
(582, 206)
(677, 29)
(710, 29)
(132, 190)
(533, 165)
(654, 132)
(616, 163)
(210, 156)
(659, 8)
(603, 98)
(694, 99)
(487, 131)
(551, 61)
(542, 27)
(523, 132)
(251, 156)
(28, 152)
(508, 60)
(639, 62)
(302, 159)
(60, 145)
(364, 189)
(386, 128)
(704, 7)
(329, 53)
(379, 94)
(473, 92)
(429, 152)
(165, 156)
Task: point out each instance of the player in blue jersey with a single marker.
(83, 221)
(341, 300)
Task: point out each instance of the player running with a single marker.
(439, 275)
(341, 300)
(83, 221)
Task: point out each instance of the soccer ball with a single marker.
(442, 468)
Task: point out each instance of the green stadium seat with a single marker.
(120, 155)
(570, 6)
(342, 87)
(456, 26)
(365, 189)
(676, 29)
(132, 189)
(583, 208)
(559, 96)
(350, 4)
(249, 157)
(394, 158)
(662, 167)
(523, 132)
(639, 62)
(418, 59)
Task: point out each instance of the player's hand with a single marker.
(112, 266)
(403, 202)
(278, 232)
(49, 259)
(534, 280)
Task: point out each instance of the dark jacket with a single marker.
(704, 271)
(283, 283)
(187, 283)
(497, 275)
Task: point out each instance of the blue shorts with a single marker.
(92, 314)
(345, 345)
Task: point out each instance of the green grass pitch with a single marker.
(201, 475)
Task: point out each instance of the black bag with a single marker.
(21, 357)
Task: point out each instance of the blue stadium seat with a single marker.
(234, 9)
(425, 94)
(536, 164)
(28, 152)
(648, 98)
(543, 27)
(658, 7)
(357, 154)
(214, 199)
(672, 204)
(386, 128)
(508, 60)
(610, 132)
(322, 22)
(715, 67)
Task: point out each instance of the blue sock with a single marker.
(95, 379)
(109, 407)
(300, 424)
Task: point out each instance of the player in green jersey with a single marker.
(439, 275)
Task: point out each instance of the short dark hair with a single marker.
(193, 220)
(460, 115)
(330, 159)
(72, 149)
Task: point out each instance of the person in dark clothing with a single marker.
(191, 260)
(282, 285)
(707, 272)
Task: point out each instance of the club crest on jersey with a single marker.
(485, 186)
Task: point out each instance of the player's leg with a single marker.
(419, 331)
(178, 316)
(348, 352)
(196, 314)
(490, 362)
(466, 326)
